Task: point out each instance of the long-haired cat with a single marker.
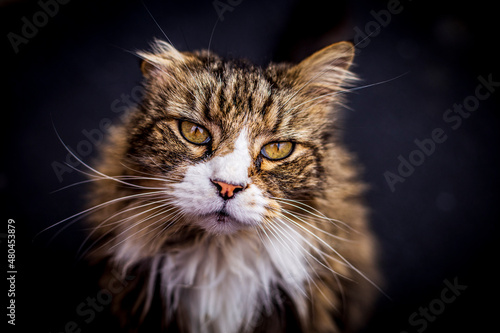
(228, 196)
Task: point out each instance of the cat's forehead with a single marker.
(205, 88)
(226, 96)
(233, 96)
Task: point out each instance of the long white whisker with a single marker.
(279, 239)
(335, 274)
(133, 226)
(315, 248)
(163, 202)
(117, 223)
(88, 166)
(73, 185)
(157, 24)
(140, 230)
(279, 231)
(340, 256)
(310, 210)
(315, 227)
(97, 178)
(170, 42)
(349, 90)
(310, 80)
(148, 175)
(320, 74)
(178, 215)
(212, 34)
(337, 223)
(99, 206)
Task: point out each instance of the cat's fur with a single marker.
(292, 250)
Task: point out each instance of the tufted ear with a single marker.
(327, 70)
(162, 57)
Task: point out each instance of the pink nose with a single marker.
(227, 191)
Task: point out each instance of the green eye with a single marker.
(277, 150)
(194, 133)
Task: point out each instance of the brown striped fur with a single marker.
(298, 103)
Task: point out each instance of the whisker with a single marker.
(96, 207)
(321, 253)
(279, 233)
(349, 76)
(97, 178)
(369, 35)
(88, 166)
(157, 24)
(148, 174)
(73, 185)
(327, 68)
(316, 227)
(135, 225)
(146, 57)
(178, 215)
(162, 47)
(212, 34)
(163, 201)
(272, 243)
(322, 220)
(116, 223)
(310, 210)
(278, 238)
(135, 233)
(347, 90)
(344, 260)
(335, 274)
(170, 42)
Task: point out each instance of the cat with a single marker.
(229, 197)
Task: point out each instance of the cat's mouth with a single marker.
(221, 222)
(223, 216)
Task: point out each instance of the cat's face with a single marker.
(232, 141)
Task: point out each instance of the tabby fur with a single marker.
(295, 253)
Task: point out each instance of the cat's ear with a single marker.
(326, 71)
(163, 57)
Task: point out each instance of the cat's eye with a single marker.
(194, 133)
(277, 150)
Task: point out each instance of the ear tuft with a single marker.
(163, 56)
(327, 70)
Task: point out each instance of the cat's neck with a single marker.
(219, 286)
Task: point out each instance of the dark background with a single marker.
(440, 224)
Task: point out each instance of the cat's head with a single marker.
(228, 142)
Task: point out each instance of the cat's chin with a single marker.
(220, 224)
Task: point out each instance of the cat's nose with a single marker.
(227, 191)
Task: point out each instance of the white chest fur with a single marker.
(224, 284)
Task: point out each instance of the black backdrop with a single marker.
(72, 69)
